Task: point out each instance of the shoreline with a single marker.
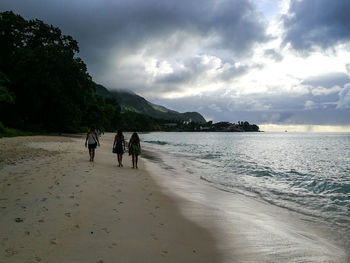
(60, 208)
(57, 207)
(249, 228)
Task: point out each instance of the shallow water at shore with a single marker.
(305, 173)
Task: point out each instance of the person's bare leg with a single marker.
(133, 161)
(93, 155)
(136, 159)
(90, 154)
(119, 160)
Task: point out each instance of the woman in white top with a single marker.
(91, 142)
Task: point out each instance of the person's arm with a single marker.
(87, 137)
(115, 139)
(123, 141)
(98, 142)
(139, 147)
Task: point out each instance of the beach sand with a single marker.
(56, 206)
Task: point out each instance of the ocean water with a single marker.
(305, 172)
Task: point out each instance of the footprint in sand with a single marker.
(67, 214)
(164, 253)
(76, 204)
(112, 245)
(152, 214)
(9, 252)
(44, 199)
(42, 220)
(19, 220)
(71, 197)
(106, 230)
(154, 236)
(53, 241)
(37, 259)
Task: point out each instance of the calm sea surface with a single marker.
(304, 172)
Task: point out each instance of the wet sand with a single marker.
(56, 206)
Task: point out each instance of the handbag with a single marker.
(114, 150)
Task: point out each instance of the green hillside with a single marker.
(130, 101)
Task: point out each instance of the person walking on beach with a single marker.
(134, 149)
(91, 142)
(119, 147)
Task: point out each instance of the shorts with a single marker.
(92, 146)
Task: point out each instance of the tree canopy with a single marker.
(45, 87)
(43, 84)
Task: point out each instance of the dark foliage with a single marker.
(43, 85)
(130, 101)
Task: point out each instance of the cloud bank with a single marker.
(231, 60)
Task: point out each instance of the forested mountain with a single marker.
(130, 101)
(45, 86)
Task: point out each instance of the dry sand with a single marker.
(56, 206)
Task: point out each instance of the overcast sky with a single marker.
(265, 61)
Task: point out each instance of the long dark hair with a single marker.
(120, 134)
(134, 138)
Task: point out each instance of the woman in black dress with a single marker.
(119, 146)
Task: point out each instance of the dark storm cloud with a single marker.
(105, 28)
(196, 68)
(320, 23)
